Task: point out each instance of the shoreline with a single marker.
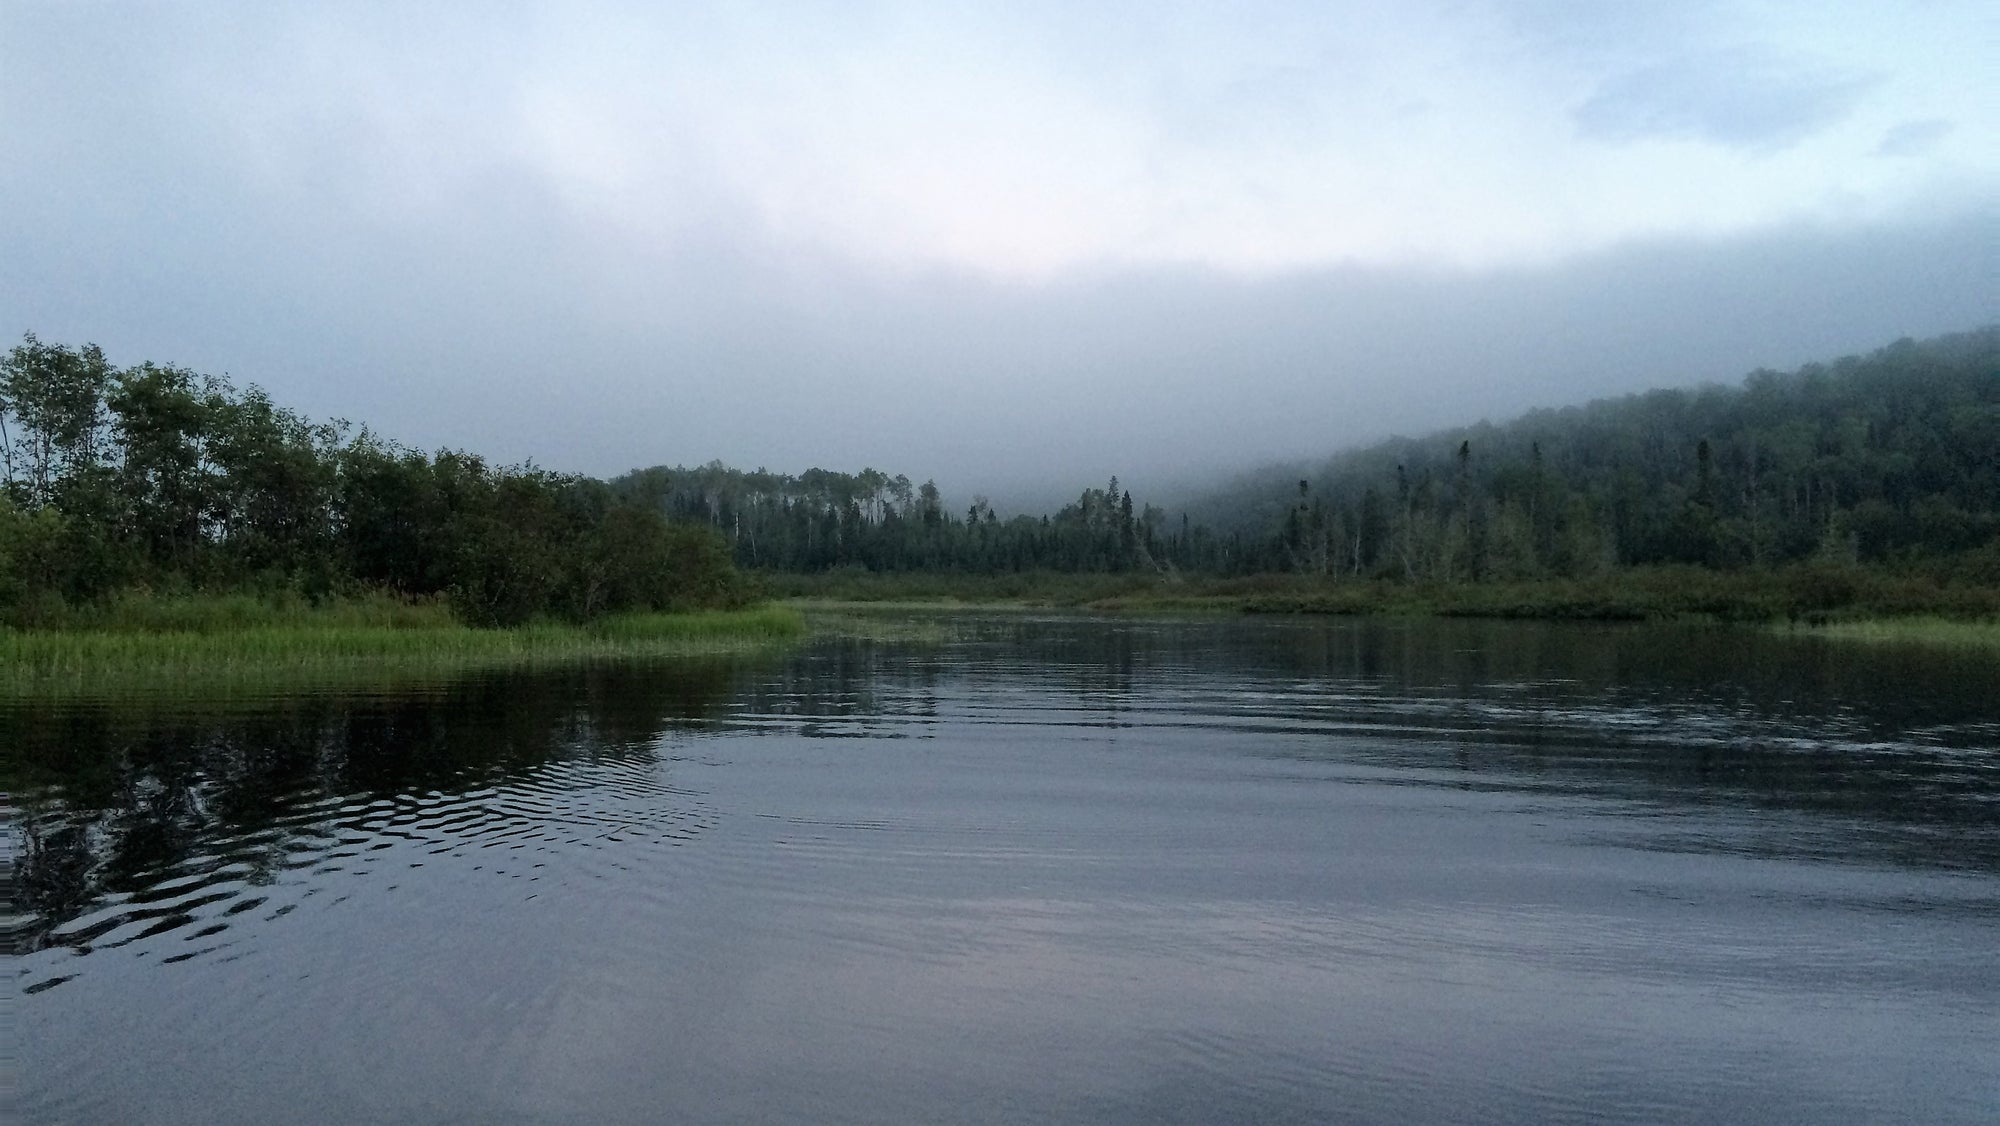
(1929, 631)
(1816, 595)
(234, 643)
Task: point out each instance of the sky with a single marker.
(1017, 247)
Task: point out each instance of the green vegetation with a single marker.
(822, 520)
(235, 643)
(1804, 592)
(153, 515)
(161, 529)
(1870, 486)
(1801, 593)
(1926, 631)
(1891, 460)
(158, 479)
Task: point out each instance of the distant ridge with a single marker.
(1883, 458)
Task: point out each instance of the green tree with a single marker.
(52, 412)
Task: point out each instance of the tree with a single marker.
(162, 418)
(52, 411)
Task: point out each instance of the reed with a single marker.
(1926, 631)
(218, 645)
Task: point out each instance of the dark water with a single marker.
(1049, 870)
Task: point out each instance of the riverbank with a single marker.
(1809, 594)
(242, 642)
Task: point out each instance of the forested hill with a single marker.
(1891, 458)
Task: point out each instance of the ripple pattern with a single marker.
(572, 819)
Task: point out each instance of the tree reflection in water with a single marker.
(126, 803)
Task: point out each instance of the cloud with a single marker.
(1912, 138)
(1009, 245)
(1745, 98)
(1023, 143)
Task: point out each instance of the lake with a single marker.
(1031, 868)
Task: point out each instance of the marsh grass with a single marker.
(1807, 592)
(1926, 631)
(225, 643)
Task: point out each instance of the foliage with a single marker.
(154, 478)
(1891, 459)
(823, 520)
(1869, 484)
(1925, 631)
(1815, 591)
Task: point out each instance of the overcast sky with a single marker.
(1015, 245)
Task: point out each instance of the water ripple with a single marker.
(578, 818)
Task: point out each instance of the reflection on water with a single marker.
(151, 822)
(1053, 868)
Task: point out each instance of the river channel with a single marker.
(1032, 868)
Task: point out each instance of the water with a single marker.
(1050, 869)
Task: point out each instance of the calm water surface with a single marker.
(1050, 869)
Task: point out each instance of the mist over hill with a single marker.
(1889, 458)
(1886, 457)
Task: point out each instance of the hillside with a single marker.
(1891, 458)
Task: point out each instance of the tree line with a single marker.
(1889, 459)
(822, 519)
(155, 477)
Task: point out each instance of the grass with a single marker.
(227, 643)
(1798, 593)
(147, 612)
(1927, 631)
(148, 642)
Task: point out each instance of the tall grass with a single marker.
(242, 642)
(144, 612)
(1928, 631)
